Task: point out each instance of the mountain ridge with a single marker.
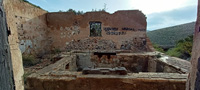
(167, 37)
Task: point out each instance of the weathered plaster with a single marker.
(193, 82)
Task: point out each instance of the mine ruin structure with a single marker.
(97, 41)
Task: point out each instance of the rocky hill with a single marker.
(167, 37)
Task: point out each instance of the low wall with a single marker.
(74, 81)
(63, 74)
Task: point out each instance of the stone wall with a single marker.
(27, 25)
(193, 82)
(125, 30)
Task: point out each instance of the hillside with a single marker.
(167, 37)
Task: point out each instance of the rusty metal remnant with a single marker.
(105, 71)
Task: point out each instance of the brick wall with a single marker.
(122, 30)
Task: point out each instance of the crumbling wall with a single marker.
(91, 44)
(37, 31)
(123, 30)
(27, 24)
(193, 82)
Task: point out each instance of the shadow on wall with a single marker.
(32, 35)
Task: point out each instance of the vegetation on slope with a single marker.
(74, 11)
(182, 49)
(167, 37)
(158, 48)
(32, 4)
(29, 60)
(81, 12)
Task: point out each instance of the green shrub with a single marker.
(75, 12)
(56, 51)
(158, 55)
(157, 48)
(25, 77)
(182, 49)
(29, 60)
(173, 52)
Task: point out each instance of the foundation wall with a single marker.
(133, 62)
(58, 77)
(64, 81)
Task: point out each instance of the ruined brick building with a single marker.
(94, 39)
(123, 30)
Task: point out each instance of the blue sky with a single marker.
(159, 13)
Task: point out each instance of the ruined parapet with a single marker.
(97, 31)
(193, 82)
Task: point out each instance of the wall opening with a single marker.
(95, 29)
(100, 54)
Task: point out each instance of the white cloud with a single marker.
(172, 17)
(152, 6)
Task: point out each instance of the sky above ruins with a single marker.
(159, 13)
